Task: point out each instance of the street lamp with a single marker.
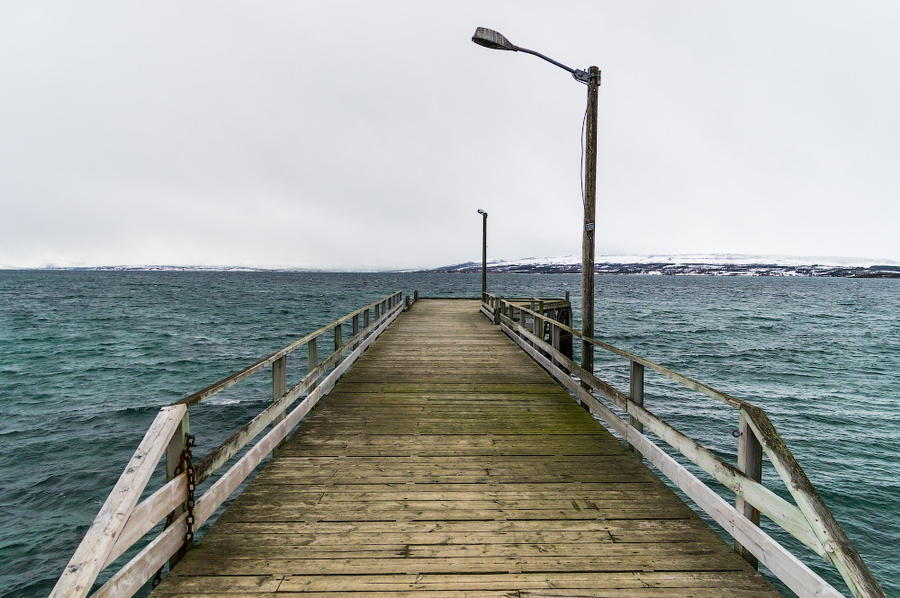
(483, 253)
(496, 41)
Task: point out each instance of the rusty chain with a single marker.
(185, 466)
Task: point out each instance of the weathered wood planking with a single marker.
(446, 462)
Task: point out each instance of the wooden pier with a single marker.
(447, 462)
(438, 451)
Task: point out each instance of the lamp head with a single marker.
(493, 40)
(482, 212)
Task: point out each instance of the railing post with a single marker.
(750, 463)
(554, 341)
(279, 387)
(496, 310)
(366, 318)
(173, 460)
(415, 295)
(355, 329)
(338, 337)
(540, 334)
(312, 359)
(636, 391)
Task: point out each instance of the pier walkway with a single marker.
(447, 462)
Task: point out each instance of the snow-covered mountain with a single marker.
(697, 264)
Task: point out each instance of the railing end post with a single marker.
(749, 458)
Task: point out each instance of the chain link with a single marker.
(185, 466)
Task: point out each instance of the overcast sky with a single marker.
(366, 134)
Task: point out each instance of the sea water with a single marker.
(87, 358)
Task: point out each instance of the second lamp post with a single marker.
(483, 253)
(591, 77)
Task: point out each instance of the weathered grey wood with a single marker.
(173, 461)
(338, 337)
(230, 447)
(137, 571)
(148, 513)
(233, 379)
(355, 328)
(588, 230)
(279, 383)
(749, 460)
(773, 506)
(790, 570)
(176, 446)
(636, 392)
(101, 537)
(838, 548)
(391, 476)
(312, 352)
(686, 381)
(130, 578)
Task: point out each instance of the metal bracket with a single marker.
(584, 76)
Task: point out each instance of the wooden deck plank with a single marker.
(447, 463)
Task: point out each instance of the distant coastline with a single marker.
(664, 265)
(689, 269)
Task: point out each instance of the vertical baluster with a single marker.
(312, 348)
(749, 462)
(366, 318)
(279, 387)
(355, 329)
(338, 337)
(636, 385)
(554, 340)
(540, 334)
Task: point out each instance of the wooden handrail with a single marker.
(810, 522)
(231, 446)
(839, 550)
(122, 521)
(100, 539)
(681, 378)
(228, 381)
(139, 569)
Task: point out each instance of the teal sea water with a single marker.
(86, 359)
